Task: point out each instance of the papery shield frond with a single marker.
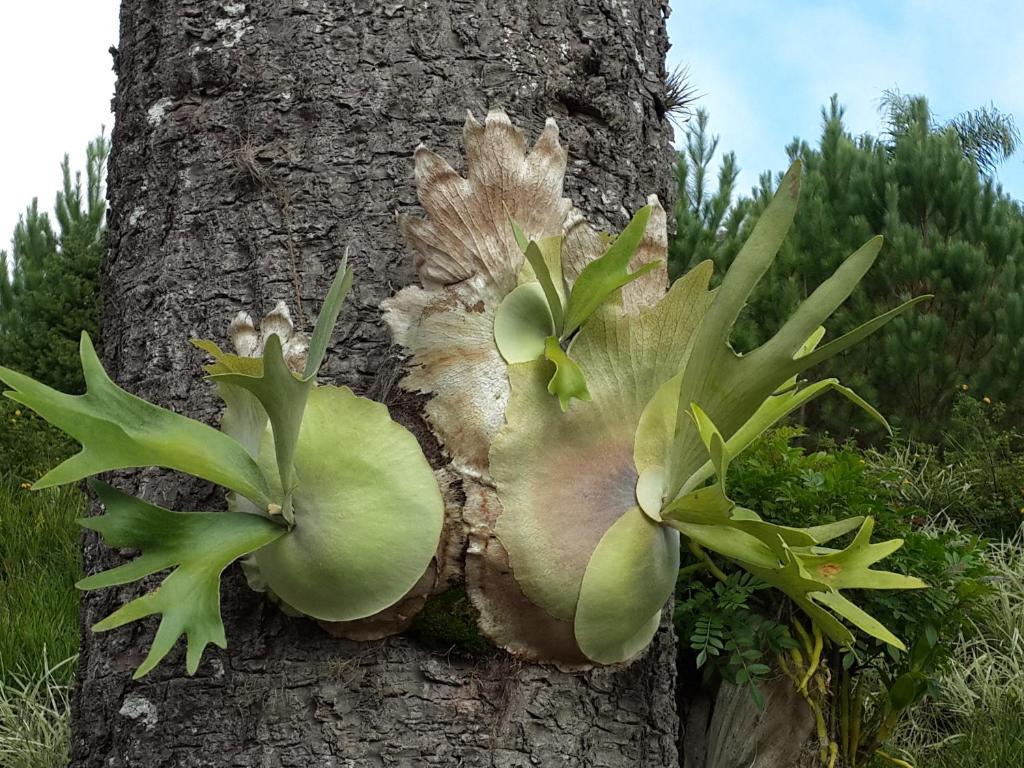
(198, 545)
(467, 230)
(565, 478)
(506, 615)
(450, 334)
(368, 512)
(119, 431)
(467, 258)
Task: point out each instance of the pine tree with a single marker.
(705, 219)
(950, 231)
(52, 291)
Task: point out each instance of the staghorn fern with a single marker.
(577, 513)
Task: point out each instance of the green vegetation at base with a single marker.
(963, 676)
(448, 622)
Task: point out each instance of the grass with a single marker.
(35, 717)
(992, 740)
(39, 564)
(977, 719)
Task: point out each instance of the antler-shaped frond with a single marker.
(198, 545)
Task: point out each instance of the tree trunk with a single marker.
(253, 142)
(735, 732)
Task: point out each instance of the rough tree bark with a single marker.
(253, 142)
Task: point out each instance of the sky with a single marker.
(56, 84)
(764, 70)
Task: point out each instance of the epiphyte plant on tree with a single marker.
(334, 502)
(542, 315)
(576, 515)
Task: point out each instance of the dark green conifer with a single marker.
(949, 230)
(49, 288)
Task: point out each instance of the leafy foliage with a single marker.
(874, 682)
(727, 624)
(198, 545)
(118, 430)
(670, 393)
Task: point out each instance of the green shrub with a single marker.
(735, 631)
(975, 713)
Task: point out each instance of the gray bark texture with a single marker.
(253, 142)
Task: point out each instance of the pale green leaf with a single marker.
(244, 418)
(283, 397)
(568, 381)
(606, 274)
(198, 545)
(849, 568)
(731, 388)
(283, 394)
(517, 231)
(522, 324)
(823, 301)
(629, 578)
(814, 582)
(790, 559)
(368, 511)
(119, 431)
(857, 616)
(328, 317)
(850, 338)
(741, 547)
(565, 478)
(537, 261)
(775, 409)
